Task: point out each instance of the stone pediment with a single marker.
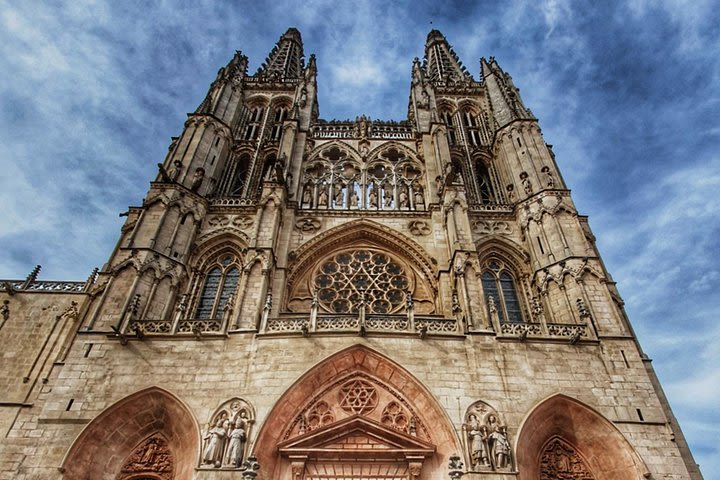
(356, 437)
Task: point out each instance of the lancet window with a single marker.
(218, 287)
(391, 181)
(500, 292)
(484, 185)
(279, 117)
(470, 125)
(252, 129)
(240, 175)
(447, 119)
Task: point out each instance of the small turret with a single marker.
(504, 96)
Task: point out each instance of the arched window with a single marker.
(240, 177)
(470, 124)
(484, 185)
(447, 118)
(500, 292)
(220, 283)
(252, 129)
(278, 119)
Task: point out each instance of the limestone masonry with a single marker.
(301, 299)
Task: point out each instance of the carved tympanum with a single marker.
(560, 461)
(152, 456)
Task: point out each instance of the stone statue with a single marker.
(527, 186)
(404, 201)
(339, 195)
(323, 197)
(478, 443)
(418, 194)
(174, 171)
(214, 444)
(388, 196)
(236, 444)
(353, 198)
(549, 179)
(372, 198)
(197, 179)
(500, 447)
(303, 97)
(307, 194)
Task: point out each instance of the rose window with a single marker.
(350, 279)
(358, 397)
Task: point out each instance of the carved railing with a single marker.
(398, 323)
(491, 207)
(349, 130)
(391, 132)
(571, 332)
(190, 326)
(44, 286)
(231, 201)
(333, 131)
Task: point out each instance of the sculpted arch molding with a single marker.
(608, 455)
(377, 400)
(110, 438)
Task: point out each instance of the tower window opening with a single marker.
(627, 364)
(278, 119)
(499, 286)
(72, 400)
(240, 176)
(518, 141)
(485, 187)
(542, 250)
(220, 283)
(640, 415)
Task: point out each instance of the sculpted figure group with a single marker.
(487, 440)
(224, 443)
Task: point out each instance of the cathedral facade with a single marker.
(301, 299)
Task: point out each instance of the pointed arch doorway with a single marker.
(355, 416)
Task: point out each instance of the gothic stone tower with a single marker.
(301, 299)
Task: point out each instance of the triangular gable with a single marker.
(356, 436)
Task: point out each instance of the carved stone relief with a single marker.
(226, 435)
(358, 395)
(153, 456)
(559, 461)
(486, 439)
(308, 224)
(491, 227)
(419, 228)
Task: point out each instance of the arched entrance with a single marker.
(356, 415)
(564, 438)
(147, 435)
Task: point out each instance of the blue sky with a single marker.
(627, 92)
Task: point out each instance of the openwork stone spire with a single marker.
(441, 63)
(287, 59)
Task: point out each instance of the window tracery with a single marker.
(500, 292)
(361, 277)
(335, 180)
(252, 129)
(219, 286)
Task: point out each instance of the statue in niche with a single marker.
(339, 194)
(527, 186)
(215, 444)
(353, 198)
(307, 194)
(418, 194)
(388, 195)
(549, 179)
(323, 196)
(500, 447)
(404, 201)
(197, 179)
(372, 198)
(303, 97)
(234, 455)
(478, 443)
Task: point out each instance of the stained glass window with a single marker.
(220, 284)
(500, 285)
(349, 279)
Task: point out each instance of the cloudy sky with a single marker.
(627, 92)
